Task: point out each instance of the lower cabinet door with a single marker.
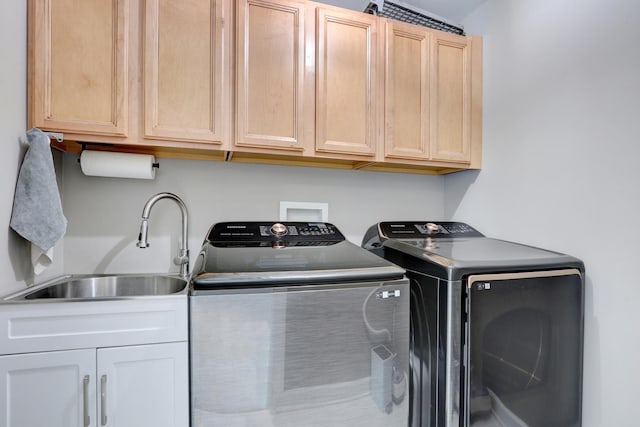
(53, 389)
(143, 386)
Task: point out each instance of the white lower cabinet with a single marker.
(145, 385)
(48, 389)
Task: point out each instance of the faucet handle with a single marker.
(183, 261)
(182, 257)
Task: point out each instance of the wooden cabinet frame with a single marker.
(406, 136)
(270, 98)
(335, 133)
(213, 100)
(62, 87)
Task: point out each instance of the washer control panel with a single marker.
(274, 233)
(423, 229)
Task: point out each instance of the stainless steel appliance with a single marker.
(496, 327)
(292, 325)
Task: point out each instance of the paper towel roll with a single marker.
(118, 165)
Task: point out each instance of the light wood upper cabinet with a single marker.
(276, 81)
(78, 66)
(451, 98)
(270, 74)
(306, 79)
(185, 82)
(406, 106)
(433, 96)
(152, 74)
(346, 82)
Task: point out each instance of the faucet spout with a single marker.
(182, 259)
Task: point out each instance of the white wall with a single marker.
(561, 153)
(104, 213)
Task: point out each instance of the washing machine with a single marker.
(292, 325)
(496, 326)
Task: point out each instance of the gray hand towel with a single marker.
(37, 211)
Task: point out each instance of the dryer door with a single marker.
(523, 361)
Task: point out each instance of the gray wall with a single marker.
(15, 265)
(561, 149)
(15, 270)
(12, 124)
(104, 213)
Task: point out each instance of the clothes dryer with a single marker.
(496, 327)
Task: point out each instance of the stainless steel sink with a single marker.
(103, 287)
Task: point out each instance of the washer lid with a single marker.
(259, 253)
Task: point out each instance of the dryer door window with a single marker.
(524, 349)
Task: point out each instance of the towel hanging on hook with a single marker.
(37, 209)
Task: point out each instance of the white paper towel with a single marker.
(117, 165)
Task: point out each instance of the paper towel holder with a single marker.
(114, 164)
(154, 165)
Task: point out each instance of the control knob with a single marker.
(432, 228)
(279, 229)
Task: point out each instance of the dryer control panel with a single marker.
(423, 229)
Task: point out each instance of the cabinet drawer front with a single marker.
(78, 66)
(57, 326)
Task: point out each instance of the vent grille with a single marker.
(401, 13)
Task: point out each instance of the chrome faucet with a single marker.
(183, 255)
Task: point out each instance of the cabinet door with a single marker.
(186, 80)
(78, 66)
(143, 386)
(451, 98)
(346, 82)
(53, 389)
(270, 74)
(406, 91)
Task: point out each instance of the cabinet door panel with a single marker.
(144, 386)
(407, 92)
(346, 82)
(185, 79)
(270, 74)
(78, 66)
(451, 99)
(47, 389)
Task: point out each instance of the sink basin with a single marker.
(104, 286)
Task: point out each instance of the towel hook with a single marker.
(55, 135)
